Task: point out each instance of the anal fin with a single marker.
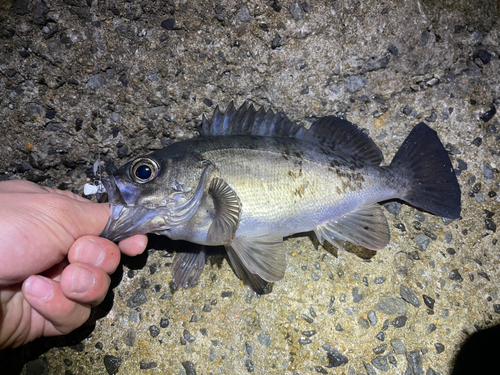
(254, 281)
(263, 255)
(365, 227)
(227, 211)
(187, 268)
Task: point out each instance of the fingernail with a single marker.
(143, 243)
(89, 252)
(82, 280)
(39, 287)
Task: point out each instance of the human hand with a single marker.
(53, 265)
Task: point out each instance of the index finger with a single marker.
(134, 245)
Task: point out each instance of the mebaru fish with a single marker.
(254, 177)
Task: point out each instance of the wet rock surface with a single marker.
(82, 81)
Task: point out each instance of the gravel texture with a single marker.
(82, 81)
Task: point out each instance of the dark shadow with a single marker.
(478, 354)
(359, 251)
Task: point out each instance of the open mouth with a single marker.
(114, 195)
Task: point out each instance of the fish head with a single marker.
(154, 193)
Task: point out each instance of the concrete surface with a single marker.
(82, 80)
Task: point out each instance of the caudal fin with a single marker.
(424, 162)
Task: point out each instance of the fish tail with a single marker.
(424, 164)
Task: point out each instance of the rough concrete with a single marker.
(82, 80)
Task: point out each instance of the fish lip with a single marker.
(120, 194)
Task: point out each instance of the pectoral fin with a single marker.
(264, 256)
(227, 211)
(365, 227)
(187, 268)
(254, 281)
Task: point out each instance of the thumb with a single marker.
(85, 217)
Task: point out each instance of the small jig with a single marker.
(96, 187)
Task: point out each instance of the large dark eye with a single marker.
(144, 170)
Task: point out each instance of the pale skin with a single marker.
(53, 265)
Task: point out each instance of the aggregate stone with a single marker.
(439, 347)
(409, 296)
(356, 296)
(392, 360)
(168, 24)
(249, 365)
(422, 241)
(154, 331)
(189, 367)
(391, 305)
(112, 364)
(335, 359)
(400, 321)
(415, 365)
(488, 115)
(380, 349)
(129, 337)
(455, 275)
(398, 346)
(354, 83)
(369, 368)
(155, 112)
(380, 363)
(265, 339)
(296, 11)
(95, 82)
(188, 336)
(147, 365)
(429, 301)
(372, 317)
(490, 225)
(164, 322)
(488, 172)
(137, 299)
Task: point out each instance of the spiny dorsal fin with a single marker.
(248, 121)
(330, 131)
(227, 211)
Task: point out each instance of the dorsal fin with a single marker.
(330, 131)
(342, 135)
(248, 121)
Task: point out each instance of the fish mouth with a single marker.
(126, 218)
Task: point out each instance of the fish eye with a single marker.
(144, 170)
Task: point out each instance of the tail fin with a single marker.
(424, 162)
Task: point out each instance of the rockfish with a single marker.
(254, 177)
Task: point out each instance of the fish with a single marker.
(253, 178)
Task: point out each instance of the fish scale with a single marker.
(291, 194)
